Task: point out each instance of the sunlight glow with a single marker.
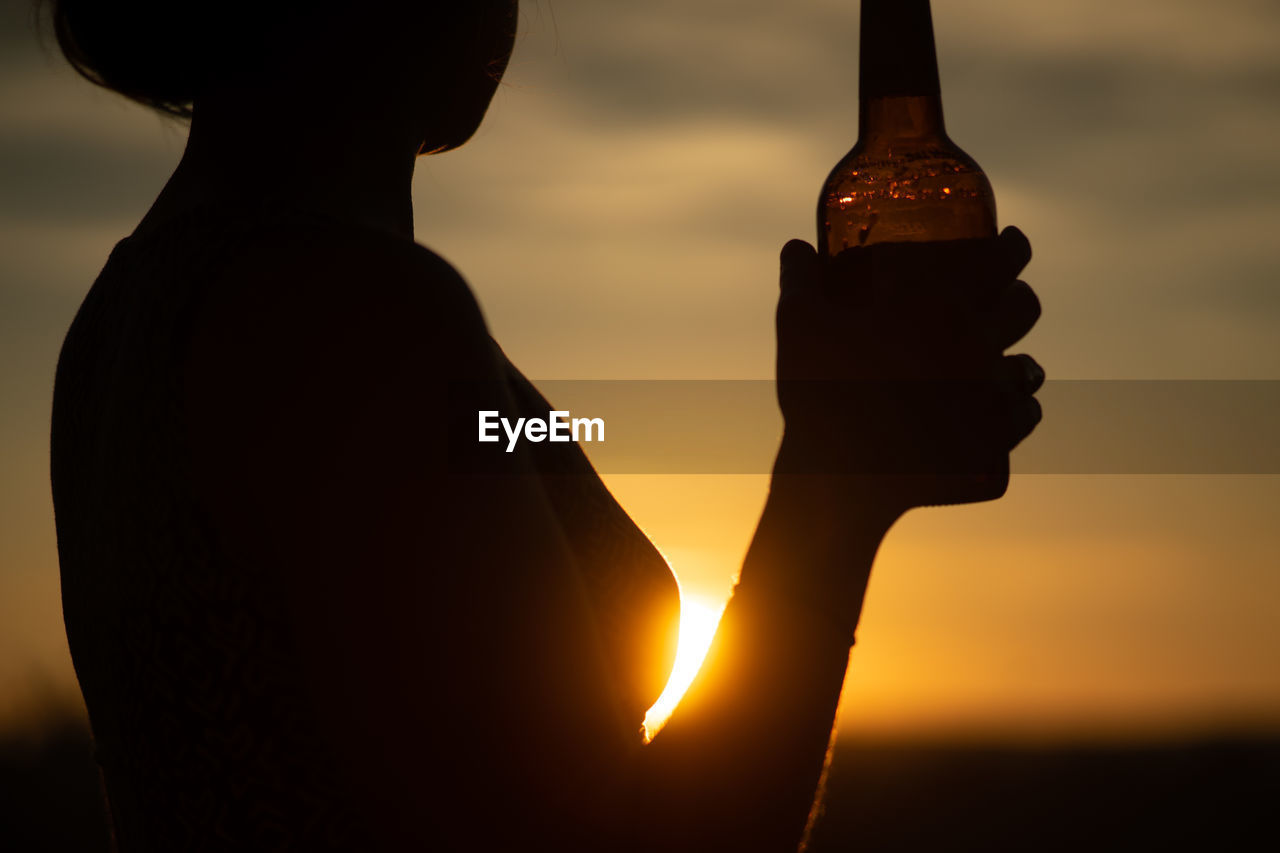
(698, 620)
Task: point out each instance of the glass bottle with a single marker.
(904, 180)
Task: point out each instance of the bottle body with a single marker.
(906, 181)
(905, 188)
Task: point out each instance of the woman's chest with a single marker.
(632, 591)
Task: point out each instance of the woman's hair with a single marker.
(165, 53)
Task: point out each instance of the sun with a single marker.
(698, 620)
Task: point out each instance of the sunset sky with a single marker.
(619, 215)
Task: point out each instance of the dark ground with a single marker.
(1209, 796)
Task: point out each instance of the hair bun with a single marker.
(163, 53)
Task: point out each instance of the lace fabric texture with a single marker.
(199, 720)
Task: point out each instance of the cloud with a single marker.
(59, 178)
(668, 148)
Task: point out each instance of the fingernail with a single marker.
(1035, 373)
(793, 251)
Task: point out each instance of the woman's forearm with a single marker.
(738, 765)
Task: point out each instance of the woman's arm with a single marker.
(860, 342)
(738, 764)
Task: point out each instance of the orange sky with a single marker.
(619, 216)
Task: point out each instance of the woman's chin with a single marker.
(452, 135)
(441, 144)
(429, 147)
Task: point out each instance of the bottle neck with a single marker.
(903, 120)
(899, 92)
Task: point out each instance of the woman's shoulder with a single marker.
(320, 265)
(319, 346)
(313, 285)
(329, 331)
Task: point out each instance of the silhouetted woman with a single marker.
(304, 614)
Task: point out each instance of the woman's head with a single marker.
(444, 57)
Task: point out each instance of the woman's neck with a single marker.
(351, 163)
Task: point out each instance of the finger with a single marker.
(800, 267)
(945, 273)
(983, 268)
(976, 271)
(1015, 250)
(1018, 374)
(1012, 315)
(1023, 413)
(876, 274)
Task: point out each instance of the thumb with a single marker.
(800, 266)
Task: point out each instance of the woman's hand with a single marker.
(890, 366)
